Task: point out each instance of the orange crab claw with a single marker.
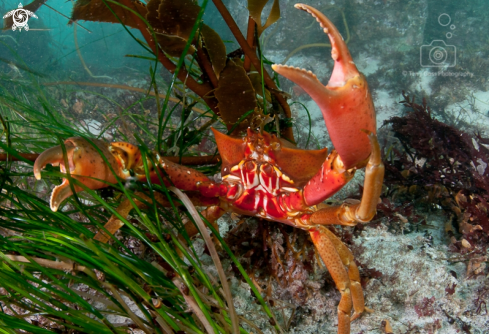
(85, 165)
(345, 102)
(88, 166)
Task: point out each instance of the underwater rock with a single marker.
(401, 25)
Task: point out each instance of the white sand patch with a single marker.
(423, 82)
(386, 106)
(367, 64)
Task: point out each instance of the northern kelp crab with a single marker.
(264, 177)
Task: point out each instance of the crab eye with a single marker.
(249, 166)
(267, 169)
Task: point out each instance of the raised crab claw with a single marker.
(261, 176)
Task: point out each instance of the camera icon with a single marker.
(438, 54)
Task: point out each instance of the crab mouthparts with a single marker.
(54, 156)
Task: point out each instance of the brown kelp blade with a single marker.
(256, 7)
(173, 17)
(97, 11)
(173, 21)
(215, 48)
(235, 94)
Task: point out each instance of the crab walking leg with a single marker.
(331, 258)
(114, 223)
(212, 213)
(353, 273)
(363, 212)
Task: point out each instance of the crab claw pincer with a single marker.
(345, 101)
(86, 165)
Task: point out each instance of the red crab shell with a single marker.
(263, 167)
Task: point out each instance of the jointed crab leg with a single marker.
(123, 210)
(211, 214)
(87, 166)
(334, 253)
(336, 256)
(351, 214)
(353, 273)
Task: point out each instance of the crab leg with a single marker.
(353, 273)
(364, 211)
(333, 261)
(212, 213)
(345, 102)
(114, 223)
(334, 253)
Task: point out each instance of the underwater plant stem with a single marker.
(166, 328)
(193, 305)
(47, 263)
(207, 66)
(57, 12)
(248, 51)
(126, 308)
(213, 252)
(26, 156)
(307, 46)
(321, 45)
(5, 131)
(250, 37)
(202, 90)
(257, 47)
(156, 94)
(134, 89)
(81, 58)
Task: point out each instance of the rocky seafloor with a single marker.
(422, 287)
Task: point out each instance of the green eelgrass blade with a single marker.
(8, 323)
(243, 272)
(310, 122)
